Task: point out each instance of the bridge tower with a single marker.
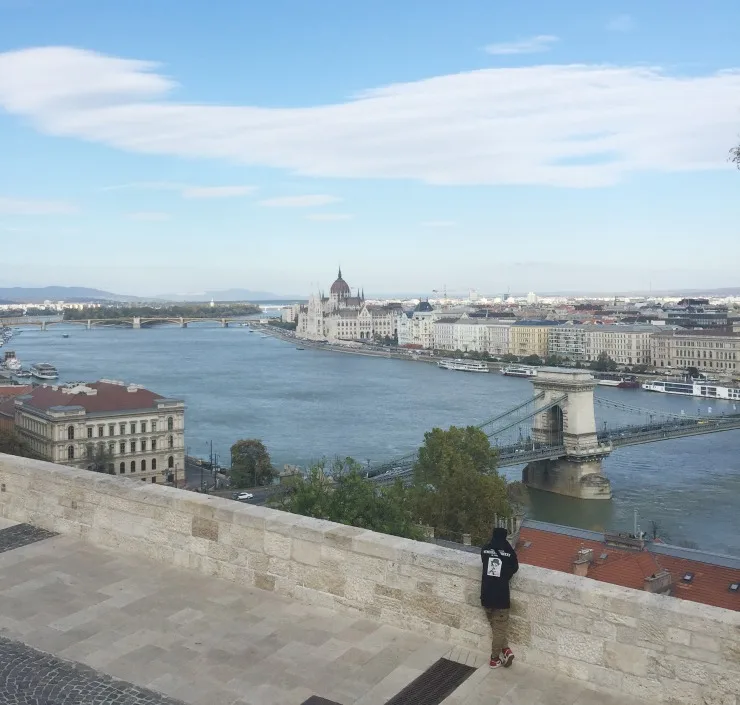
(136, 323)
(572, 422)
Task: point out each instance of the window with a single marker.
(89, 452)
(70, 452)
(122, 447)
(133, 446)
(154, 444)
(170, 442)
(122, 468)
(170, 423)
(89, 431)
(133, 427)
(122, 428)
(170, 462)
(143, 426)
(133, 466)
(111, 429)
(110, 469)
(143, 466)
(101, 431)
(154, 426)
(143, 444)
(154, 479)
(154, 463)
(70, 433)
(111, 447)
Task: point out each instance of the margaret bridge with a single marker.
(44, 322)
(554, 435)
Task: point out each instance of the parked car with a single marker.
(244, 496)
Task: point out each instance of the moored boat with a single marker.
(463, 365)
(693, 388)
(43, 370)
(519, 371)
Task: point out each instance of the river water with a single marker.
(310, 404)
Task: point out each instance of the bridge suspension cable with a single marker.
(510, 412)
(522, 419)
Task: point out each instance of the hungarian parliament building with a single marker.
(344, 317)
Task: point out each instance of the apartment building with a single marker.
(567, 341)
(625, 344)
(530, 338)
(133, 431)
(472, 334)
(717, 351)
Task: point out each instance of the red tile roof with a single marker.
(14, 390)
(557, 551)
(110, 397)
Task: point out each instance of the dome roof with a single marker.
(423, 306)
(340, 287)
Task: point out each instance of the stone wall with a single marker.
(656, 648)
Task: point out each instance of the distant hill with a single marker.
(229, 295)
(79, 294)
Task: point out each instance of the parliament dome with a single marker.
(340, 287)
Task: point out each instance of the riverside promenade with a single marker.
(83, 624)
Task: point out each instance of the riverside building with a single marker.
(716, 351)
(131, 430)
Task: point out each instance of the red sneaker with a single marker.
(495, 663)
(506, 657)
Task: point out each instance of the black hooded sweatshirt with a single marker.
(499, 565)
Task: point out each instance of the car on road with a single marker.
(242, 496)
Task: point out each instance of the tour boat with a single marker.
(43, 370)
(463, 365)
(519, 371)
(11, 362)
(611, 380)
(693, 388)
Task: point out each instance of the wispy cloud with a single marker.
(328, 217)
(621, 23)
(307, 201)
(217, 191)
(19, 206)
(152, 216)
(485, 127)
(439, 224)
(186, 190)
(531, 45)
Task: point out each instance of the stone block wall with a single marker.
(659, 649)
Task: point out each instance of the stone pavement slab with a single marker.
(205, 641)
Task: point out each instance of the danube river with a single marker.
(310, 404)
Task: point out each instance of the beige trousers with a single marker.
(499, 621)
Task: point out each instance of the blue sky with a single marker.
(151, 147)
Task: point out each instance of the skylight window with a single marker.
(688, 577)
(734, 587)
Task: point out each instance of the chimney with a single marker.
(659, 583)
(583, 559)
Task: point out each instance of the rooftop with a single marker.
(94, 397)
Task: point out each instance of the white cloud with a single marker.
(531, 45)
(564, 125)
(328, 217)
(308, 201)
(621, 23)
(152, 216)
(217, 191)
(439, 224)
(18, 206)
(186, 191)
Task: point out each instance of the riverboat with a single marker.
(613, 380)
(43, 370)
(463, 365)
(693, 388)
(11, 362)
(519, 371)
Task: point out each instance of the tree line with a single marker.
(169, 311)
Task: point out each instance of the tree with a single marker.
(735, 156)
(532, 360)
(509, 358)
(102, 460)
(456, 486)
(604, 363)
(12, 444)
(250, 464)
(350, 499)
(555, 361)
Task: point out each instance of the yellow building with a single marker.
(530, 338)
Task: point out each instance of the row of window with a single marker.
(142, 467)
(143, 426)
(90, 449)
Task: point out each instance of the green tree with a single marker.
(457, 488)
(533, 360)
(250, 464)
(350, 499)
(101, 459)
(12, 444)
(604, 363)
(735, 156)
(509, 358)
(555, 361)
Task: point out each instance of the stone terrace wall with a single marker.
(660, 649)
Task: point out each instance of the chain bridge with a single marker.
(554, 434)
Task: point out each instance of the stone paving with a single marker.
(205, 641)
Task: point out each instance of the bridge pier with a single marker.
(183, 323)
(224, 323)
(136, 322)
(570, 422)
(89, 324)
(43, 325)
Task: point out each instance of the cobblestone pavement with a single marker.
(21, 535)
(31, 677)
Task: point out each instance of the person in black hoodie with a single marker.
(499, 565)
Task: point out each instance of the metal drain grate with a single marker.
(21, 535)
(316, 700)
(434, 685)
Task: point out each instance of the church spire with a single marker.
(363, 293)
(339, 276)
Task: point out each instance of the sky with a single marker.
(181, 146)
